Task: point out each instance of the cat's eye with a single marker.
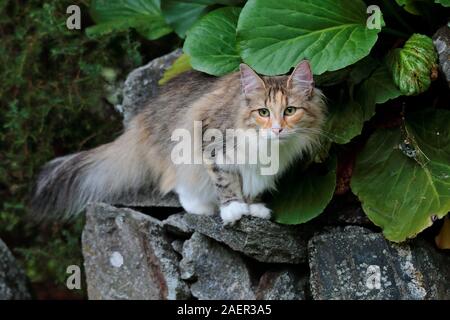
(264, 112)
(289, 111)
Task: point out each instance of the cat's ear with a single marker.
(301, 78)
(250, 81)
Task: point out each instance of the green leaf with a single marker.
(362, 69)
(303, 195)
(412, 65)
(182, 14)
(413, 6)
(332, 78)
(182, 64)
(346, 116)
(445, 3)
(274, 35)
(377, 89)
(418, 7)
(345, 121)
(354, 73)
(211, 42)
(143, 15)
(402, 177)
(381, 85)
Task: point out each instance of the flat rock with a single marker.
(216, 272)
(441, 40)
(356, 263)
(176, 224)
(127, 255)
(177, 246)
(260, 239)
(281, 285)
(142, 84)
(13, 281)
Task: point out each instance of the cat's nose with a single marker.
(277, 130)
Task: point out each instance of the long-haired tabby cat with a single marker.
(288, 107)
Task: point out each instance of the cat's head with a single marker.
(282, 106)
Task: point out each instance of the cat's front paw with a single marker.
(233, 211)
(260, 210)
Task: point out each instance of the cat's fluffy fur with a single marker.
(141, 156)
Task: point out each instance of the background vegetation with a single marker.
(58, 89)
(55, 96)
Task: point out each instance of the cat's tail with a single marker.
(107, 173)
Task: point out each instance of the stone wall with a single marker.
(131, 255)
(13, 282)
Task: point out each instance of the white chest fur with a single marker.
(254, 182)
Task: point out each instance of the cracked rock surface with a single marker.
(259, 239)
(127, 255)
(13, 281)
(356, 263)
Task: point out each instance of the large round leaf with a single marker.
(346, 117)
(381, 85)
(274, 35)
(445, 3)
(211, 42)
(143, 15)
(303, 195)
(345, 121)
(412, 6)
(412, 66)
(402, 177)
(182, 14)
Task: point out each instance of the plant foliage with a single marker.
(54, 95)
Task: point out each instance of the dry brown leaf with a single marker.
(443, 238)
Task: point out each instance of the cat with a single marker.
(289, 109)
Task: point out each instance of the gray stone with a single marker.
(13, 281)
(177, 246)
(441, 40)
(281, 285)
(177, 225)
(349, 215)
(356, 263)
(142, 84)
(127, 255)
(218, 272)
(260, 239)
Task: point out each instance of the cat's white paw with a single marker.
(233, 211)
(260, 210)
